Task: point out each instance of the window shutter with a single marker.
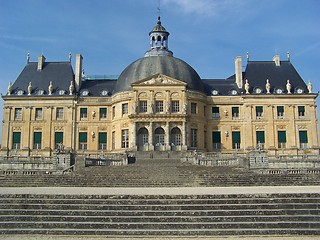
(282, 136)
(37, 137)
(83, 137)
(235, 110)
(280, 109)
(102, 137)
(259, 109)
(83, 110)
(215, 109)
(16, 137)
(58, 137)
(300, 108)
(303, 136)
(235, 137)
(260, 137)
(216, 137)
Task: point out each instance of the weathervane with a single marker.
(158, 8)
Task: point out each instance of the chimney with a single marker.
(238, 67)
(41, 60)
(276, 60)
(78, 74)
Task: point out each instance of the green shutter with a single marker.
(102, 137)
(282, 137)
(303, 136)
(300, 108)
(37, 137)
(16, 137)
(235, 110)
(260, 137)
(236, 137)
(280, 109)
(216, 137)
(83, 110)
(58, 137)
(103, 111)
(215, 109)
(83, 137)
(259, 109)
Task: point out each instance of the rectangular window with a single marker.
(259, 111)
(175, 106)
(301, 111)
(204, 110)
(102, 140)
(83, 113)
(16, 140)
(303, 139)
(236, 140)
(17, 113)
(59, 113)
(216, 140)
(260, 139)
(235, 112)
(58, 140)
(103, 113)
(280, 111)
(83, 136)
(194, 137)
(193, 108)
(38, 113)
(143, 106)
(282, 139)
(215, 113)
(124, 108)
(37, 137)
(113, 112)
(159, 106)
(125, 138)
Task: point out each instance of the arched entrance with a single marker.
(159, 139)
(176, 138)
(143, 139)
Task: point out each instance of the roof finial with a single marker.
(159, 12)
(28, 57)
(70, 56)
(247, 56)
(288, 56)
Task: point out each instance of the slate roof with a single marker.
(223, 86)
(257, 72)
(60, 73)
(95, 87)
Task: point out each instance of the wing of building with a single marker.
(159, 102)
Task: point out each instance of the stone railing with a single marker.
(112, 159)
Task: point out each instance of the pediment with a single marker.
(159, 80)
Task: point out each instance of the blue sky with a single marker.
(208, 34)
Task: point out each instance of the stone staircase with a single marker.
(157, 172)
(160, 215)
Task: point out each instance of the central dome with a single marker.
(163, 64)
(158, 60)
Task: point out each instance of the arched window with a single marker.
(175, 137)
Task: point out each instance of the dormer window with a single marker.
(279, 91)
(104, 93)
(214, 92)
(258, 90)
(234, 92)
(61, 92)
(299, 90)
(85, 93)
(40, 92)
(20, 92)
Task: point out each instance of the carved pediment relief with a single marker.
(159, 79)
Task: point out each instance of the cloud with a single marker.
(208, 8)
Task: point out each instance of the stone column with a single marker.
(184, 136)
(134, 137)
(151, 147)
(167, 136)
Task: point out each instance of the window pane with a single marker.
(175, 106)
(103, 112)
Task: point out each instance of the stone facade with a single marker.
(164, 109)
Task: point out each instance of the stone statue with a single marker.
(167, 107)
(247, 86)
(29, 89)
(134, 107)
(151, 107)
(9, 89)
(268, 86)
(288, 86)
(185, 107)
(309, 86)
(50, 88)
(71, 88)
